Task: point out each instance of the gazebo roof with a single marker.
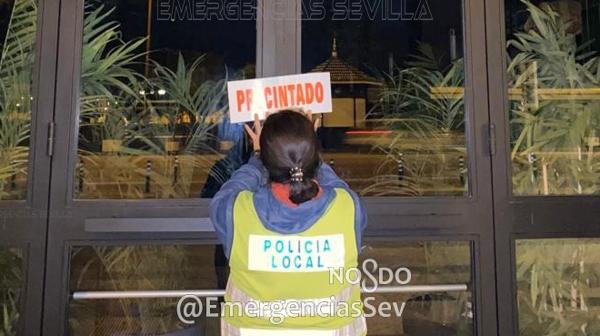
(343, 72)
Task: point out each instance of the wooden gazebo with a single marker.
(349, 88)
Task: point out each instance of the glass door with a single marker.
(406, 134)
(26, 84)
(544, 104)
(143, 142)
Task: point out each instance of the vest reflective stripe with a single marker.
(238, 295)
(270, 267)
(358, 327)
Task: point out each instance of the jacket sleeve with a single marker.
(328, 178)
(248, 177)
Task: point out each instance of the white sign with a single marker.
(295, 253)
(257, 96)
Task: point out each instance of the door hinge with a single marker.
(492, 139)
(50, 148)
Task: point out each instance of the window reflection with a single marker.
(11, 280)
(152, 109)
(135, 268)
(153, 102)
(553, 90)
(201, 267)
(557, 286)
(397, 74)
(430, 263)
(17, 39)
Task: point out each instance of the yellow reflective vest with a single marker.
(285, 282)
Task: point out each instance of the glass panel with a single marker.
(180, 267)
(153, 97)
(397, 127)
(425, 313)
(157, 267)
(554, 95)
(18, 20)
(558, 286)
(11, 280)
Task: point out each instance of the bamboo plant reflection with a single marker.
(427, 126)
(10, 283)
(553, 125)
(16, 62)
(123, 268)
(145, 136)
(160, 140)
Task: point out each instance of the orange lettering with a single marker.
(291, 89)
(248, 99)
(299, 95)
(240, 99)
(310, 93)
(319, 92)
(268, 92)
(283, 96)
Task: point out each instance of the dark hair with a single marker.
(288, 142)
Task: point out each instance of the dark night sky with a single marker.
(233, 40)
(5, 11)
(362, 42)
(369, 42)
(365, 42)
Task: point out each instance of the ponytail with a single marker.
(301, 189)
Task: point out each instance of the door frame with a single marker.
(23, 223)
(447, 218)
(522, 217)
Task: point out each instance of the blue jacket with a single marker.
(275, 215)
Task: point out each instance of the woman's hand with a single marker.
(255, 134)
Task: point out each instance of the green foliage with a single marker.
(109, 96)
(16, 64)
(555, 277)
(559, 132)
(555, 281)
(205, 103)
(10, 284)
(119, 104)
(116, 105)
(407, 98)
(428, 129)
(14, 152)
(134, 267)
(106, 60)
